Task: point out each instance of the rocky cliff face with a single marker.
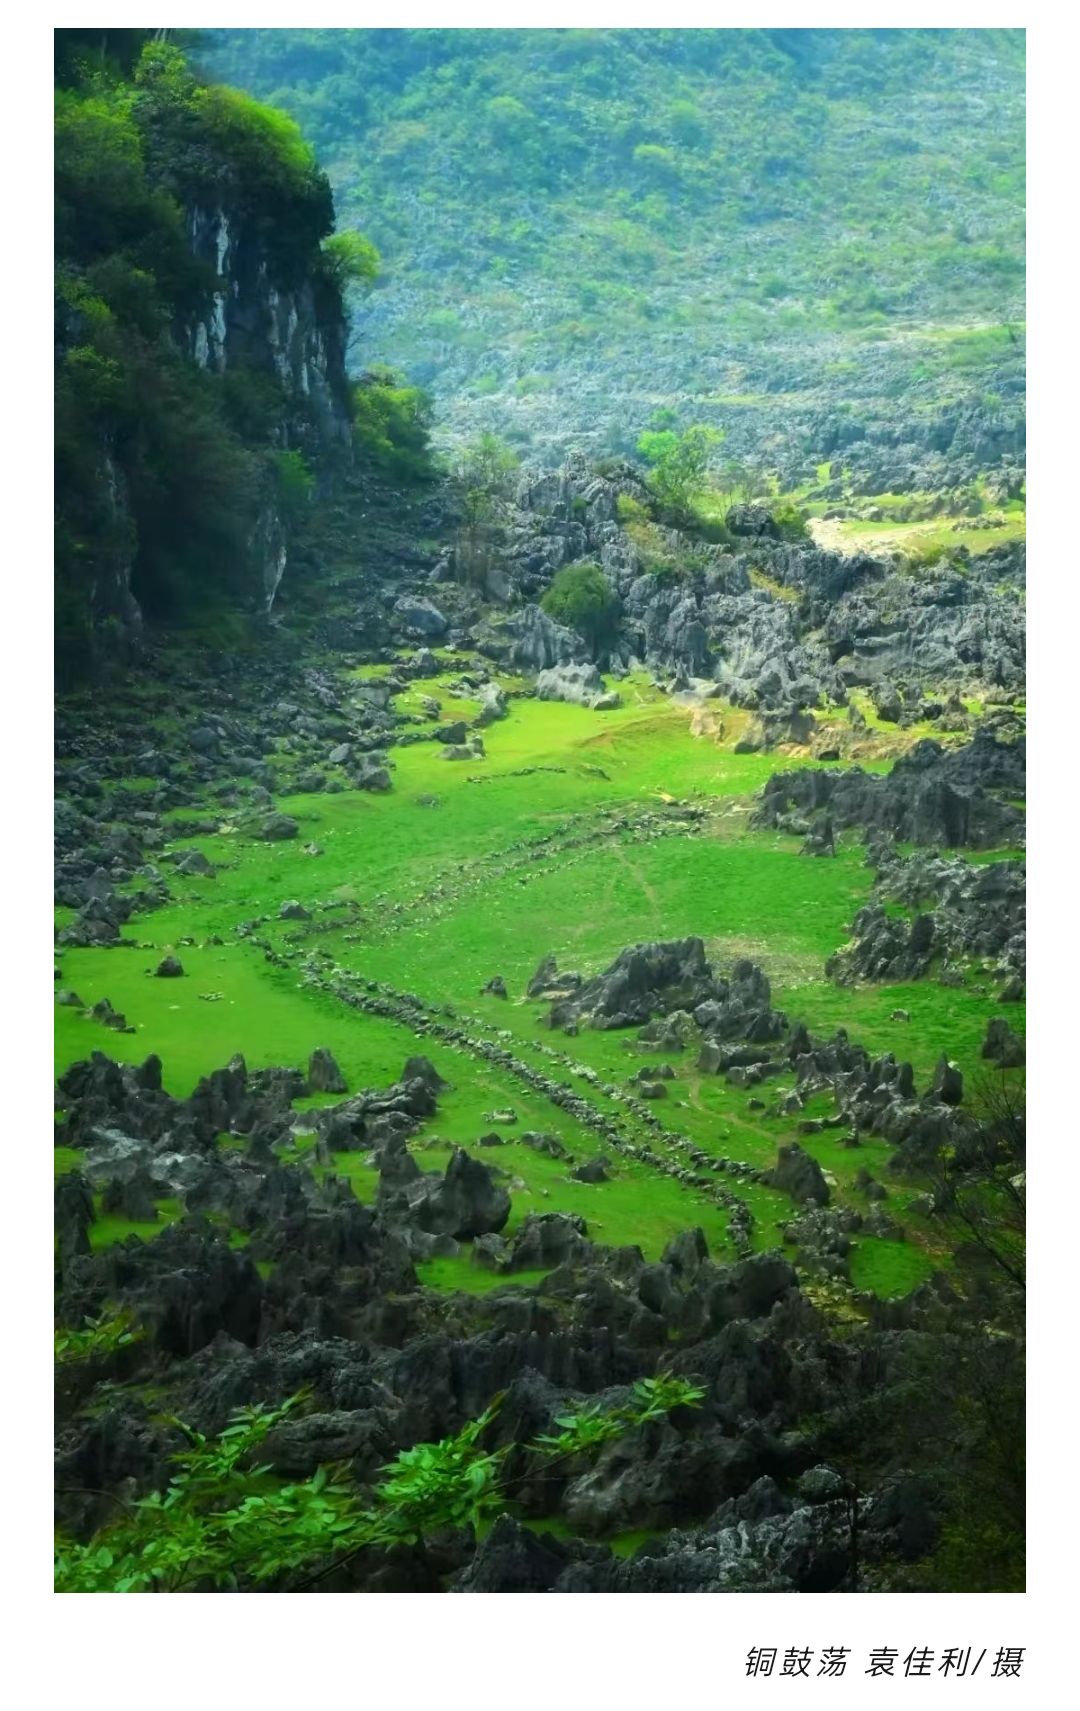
(201, 392)
(297, 334)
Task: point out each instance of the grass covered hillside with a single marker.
(800, 235)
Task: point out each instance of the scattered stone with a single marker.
(798, 1174)
(194, 862)
(948, 1082)
(1002, 1046)
(277, 827)
(592, 1171)
(323, 1074)
(291, 910)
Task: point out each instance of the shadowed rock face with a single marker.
(466, 1202)
(644, 980)
(964, 911)
(932, 796)
(531, 641)
(799, 1175)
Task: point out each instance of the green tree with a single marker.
(348, 258)
(980, 1181)
(485, 476)
(295, 482)
(392, 426)
(582, 598)
(678, 464)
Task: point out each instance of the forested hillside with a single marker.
(795, 234)
(200, 333)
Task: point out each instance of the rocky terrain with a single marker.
(540, 965)
(277, 1227)
(385, 1363)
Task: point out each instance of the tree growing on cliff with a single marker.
(678, 464)
(484, 476)
(349, 259)
(392, 426)
(582, 598)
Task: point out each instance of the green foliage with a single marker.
(163, 469)
(392, 426)
(295, 482)
(582, 598)
(790, 520)
(588, 1430)
(454, 1483)
(488, 468)
(222, 1519)
(204, 141)
(661, 1395)
(484, 476)
(95, 1339)
(225, 1524)
(350, 259)
(630, 510)
(591, 1428)
(678, 464)
(743, 189)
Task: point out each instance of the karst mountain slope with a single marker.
(812, 238)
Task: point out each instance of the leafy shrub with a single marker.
(95, 1339)
(295, 482)
(678, 464)
(454, 1483)
(348, 258)
(225, 1523)
(392, 426)
(630, 510)
(582, 598)
(791, 522)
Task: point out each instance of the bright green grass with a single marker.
(943, 1019)
(460, 1273)
(556, 1526)
(436, 916)
(109, 1228)
(937, 534)
(889, 1268)
(746, 895)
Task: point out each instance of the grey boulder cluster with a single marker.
(320, 1292)
(952, 798)
(837, 623)
(954, 911)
